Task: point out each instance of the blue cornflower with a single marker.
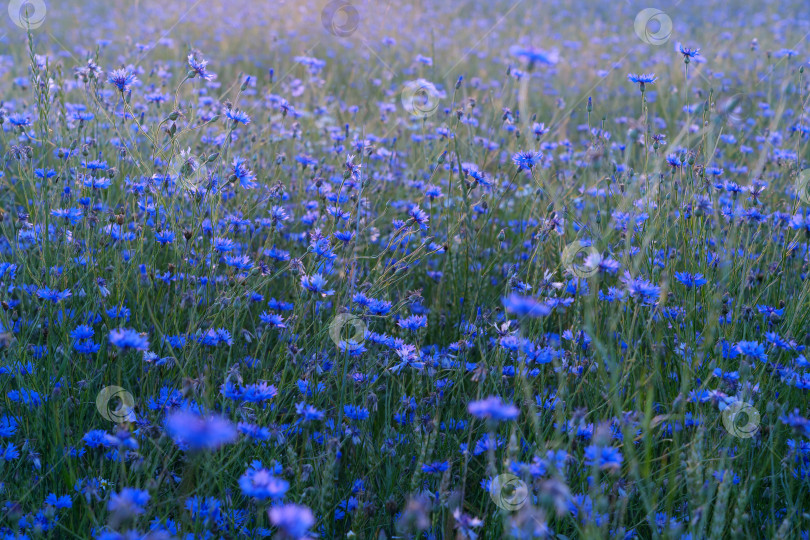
(641, 289)
(164, 237)
(410, 358)
(526, 160)
(8, 426)
(213, 337)
(95, 165)
(32, 398)
(260, 483)
(308, 413)
(122, 79)
(322, 248)
(82, 331)
(316, 283)
(533, 55)
(492, 408)
(272, 319)
(74, 215)
(435, 468)
(770, 312)
(352, 347)
(53, 295)
(238, 117)
(58, 502)
(86, 346)
(126, 338)
(687, 52)
(242, 173)
(278, 214)
(200, 68)
(204, 510)
(674, 161)
(525, 306)
(241, 262)
(344, 236)
(198, 432)
(19, 120)
(293, 520)
(306, 160)
(419, 216)
(801, 221)
(10, 453)
(540, 129)
(797, 422)
(96, 183)
(258, 392)
(691, 280)
(223, 245)
(752, 349)
(413, 323)
(605, 457)
(642, 80)
(355, 413)
(379, 307)
(128, 503)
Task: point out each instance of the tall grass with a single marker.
(630, 290)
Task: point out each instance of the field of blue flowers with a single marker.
(386, 269)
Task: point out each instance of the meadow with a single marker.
(420, 269)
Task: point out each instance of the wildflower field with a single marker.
(385, 269)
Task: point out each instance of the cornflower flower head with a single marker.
(603, 457)
(237, 116)
(493, 409)
(127, 338)
(260, 483)
(292, 520)
(642, 80)
(197, 432)
(317, 284)
(199, 67)
(128, 502)
(419, 216)
(526, 160)
(533, 56)
(123, 79)
(687, 52)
